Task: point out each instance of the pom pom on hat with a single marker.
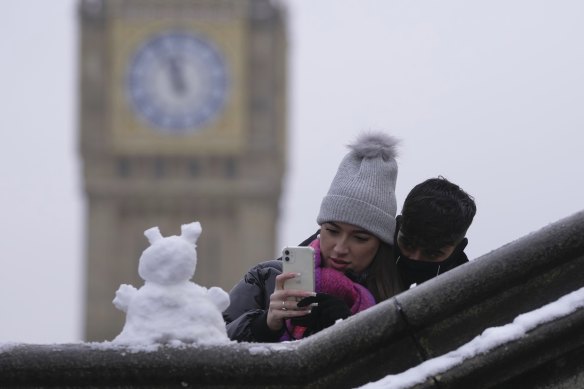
(378, 144)
(363, 190)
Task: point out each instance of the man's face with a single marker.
(416, 253)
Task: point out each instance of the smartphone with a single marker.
(299, 259)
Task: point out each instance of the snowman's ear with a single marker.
(153, 234)
(191, 231)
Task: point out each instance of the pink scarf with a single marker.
(333, 282)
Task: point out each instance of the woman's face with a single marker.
(347, 247)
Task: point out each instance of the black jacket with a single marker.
(246, 316)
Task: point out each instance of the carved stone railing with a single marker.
(425, 322)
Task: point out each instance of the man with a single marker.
(430, 234)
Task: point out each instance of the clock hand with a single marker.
(176, 76)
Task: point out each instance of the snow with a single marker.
(269, 348)
(7, 346)
(169, 309)
(262, 350)
(488, 340)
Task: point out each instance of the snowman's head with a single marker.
(172, 259)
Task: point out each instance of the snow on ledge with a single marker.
(490, 338)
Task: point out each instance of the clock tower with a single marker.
(182, 118)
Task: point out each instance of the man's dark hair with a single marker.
(437, 213)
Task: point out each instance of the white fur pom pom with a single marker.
(375, 144)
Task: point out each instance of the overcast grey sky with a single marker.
(489, 94)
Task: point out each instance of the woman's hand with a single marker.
(284, 303)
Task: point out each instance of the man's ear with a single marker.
(462, 245)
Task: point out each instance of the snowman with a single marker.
(168, 308)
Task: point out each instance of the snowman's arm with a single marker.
(124, 295)
(219, 297)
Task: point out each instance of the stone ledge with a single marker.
(427, 321)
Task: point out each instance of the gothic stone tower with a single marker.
(182, 118)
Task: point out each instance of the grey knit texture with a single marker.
(363, 190)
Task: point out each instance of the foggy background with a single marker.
(489, 94)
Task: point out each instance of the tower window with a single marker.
(123, 168)
(230, 168)
(194, 168)
(159, 168)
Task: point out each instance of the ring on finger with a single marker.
(284, 305)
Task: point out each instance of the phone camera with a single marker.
(287, 259)
(287, 252)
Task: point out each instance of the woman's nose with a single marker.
(341, 247)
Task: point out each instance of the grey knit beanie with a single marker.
(363, 190)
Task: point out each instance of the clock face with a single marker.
(177, 82)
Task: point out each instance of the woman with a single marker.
(354, 261)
